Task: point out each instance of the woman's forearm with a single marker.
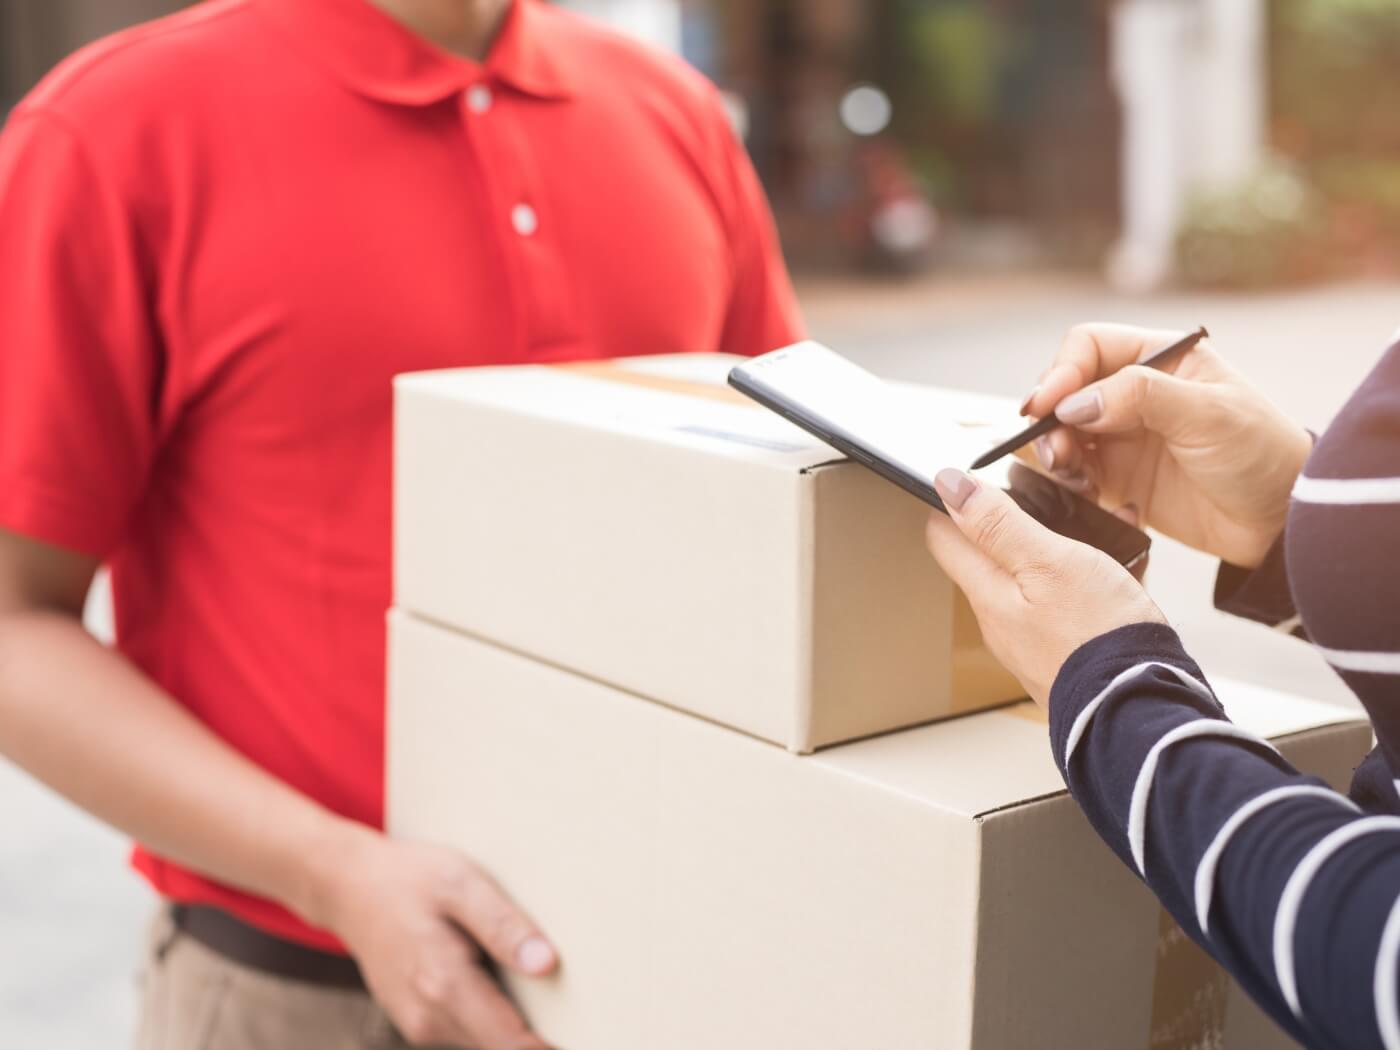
(79, 717)
(1283, 880)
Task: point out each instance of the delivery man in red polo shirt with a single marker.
(221, 235)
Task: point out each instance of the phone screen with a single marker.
(882, 427)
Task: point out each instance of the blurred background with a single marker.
(956, 183)
(1210, 143)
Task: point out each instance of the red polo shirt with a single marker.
(221, 234)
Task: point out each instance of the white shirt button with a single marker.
(479, 98)
(524, 219)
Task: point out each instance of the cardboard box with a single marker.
(639, 522)
(928, 889)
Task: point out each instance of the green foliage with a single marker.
(1265, 232)
(1337, 75)
(1364, 186)
(959, 51)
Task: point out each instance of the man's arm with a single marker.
(79, 717)
(82, 719)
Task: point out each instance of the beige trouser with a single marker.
(194, 999)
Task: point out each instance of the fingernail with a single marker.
(534, 956)
(1046, 453)
(1026, 404)
(954, 487)
(1083, 406)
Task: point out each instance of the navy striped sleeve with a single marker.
(1343, 551)
(1263, 594)
(1284, 881)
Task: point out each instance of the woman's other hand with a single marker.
(1205, 457)
(1038, 596)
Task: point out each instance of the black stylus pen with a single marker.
(1161, 359)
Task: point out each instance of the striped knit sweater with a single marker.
(1293, 887)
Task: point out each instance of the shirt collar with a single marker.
(377, 56)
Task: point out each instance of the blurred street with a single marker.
(72, 914)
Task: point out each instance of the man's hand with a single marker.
(1038, 596)
(80, 717)
(418, 919)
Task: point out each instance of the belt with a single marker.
(249, 946)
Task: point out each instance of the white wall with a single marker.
(1191, 77)
(657, 22)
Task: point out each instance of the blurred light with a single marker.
(737, 110)
(866, 110)
(904, 226)
(1281, 196)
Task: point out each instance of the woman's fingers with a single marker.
(970, 570)
(1091, 352)
(1140, 398)
(1061, 453)
(1000, 531)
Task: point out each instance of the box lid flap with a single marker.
(684, 399)
(998, 759)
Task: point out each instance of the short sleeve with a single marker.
(763, 313)
(79, 365)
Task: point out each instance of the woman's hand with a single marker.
(421, 921)
(1038, 596)
(1206, 458)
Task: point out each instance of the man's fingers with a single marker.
(995, 525)
(488, 1019)
(1089, 353)
(474, 901)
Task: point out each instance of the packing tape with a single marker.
(613, 372)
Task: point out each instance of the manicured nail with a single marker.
(1083, 406)
(534, 956)
(1129, 512)
(1046, 452)
(954, 487)
(1026, 404)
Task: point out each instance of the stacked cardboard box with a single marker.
(628, 609)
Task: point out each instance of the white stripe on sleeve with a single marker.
(1387, 1003)
(1142, 787)
(1347, 491)
(1362, 662)
(1081, 721)
(1210, 859)
(1289, 903)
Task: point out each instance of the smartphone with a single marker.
(876, 424)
